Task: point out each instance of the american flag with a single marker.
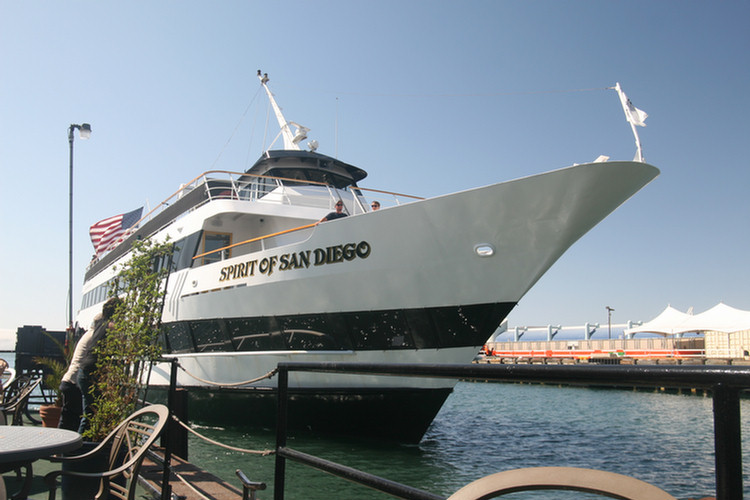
(106, 232)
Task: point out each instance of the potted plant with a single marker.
(54, 369)
(133, 339)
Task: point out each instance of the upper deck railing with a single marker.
(215, 185)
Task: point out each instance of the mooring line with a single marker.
(233, 448)
(231, 384)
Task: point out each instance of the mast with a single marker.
(291, 140)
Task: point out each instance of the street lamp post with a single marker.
(84, 131)
(609, 321)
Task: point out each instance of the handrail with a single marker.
(725, 383)
(251, 240)
(203, 178)
(390, 193)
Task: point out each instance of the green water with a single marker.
(665, 439)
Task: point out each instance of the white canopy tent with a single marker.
(720, 318)
(663, 324)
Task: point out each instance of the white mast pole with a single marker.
(286, 131)
(626, 107)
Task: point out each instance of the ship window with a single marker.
(218, 189)
(421, 328)
(97, 295)
(255, 334)
(466, 325)
(163, 261)
(178, 337)
(302, 176)
(214, 241)
(308, 332)
(309, 340)
(380, 330)
(184, 250)
(454, 328)
(209, 337)
(338, 328)
(265, 186)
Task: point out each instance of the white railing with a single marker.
(227, 185)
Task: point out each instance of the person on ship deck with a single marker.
(338, 214)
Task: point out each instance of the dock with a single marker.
(186, 480)
(647, 351)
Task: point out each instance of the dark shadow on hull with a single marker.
(399, 415)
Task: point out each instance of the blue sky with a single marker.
(428, 97)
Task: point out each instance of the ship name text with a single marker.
(299, 260)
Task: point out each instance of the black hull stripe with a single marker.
(424, 328)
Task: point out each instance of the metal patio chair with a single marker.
(7, 376)
(17, 399)
(560, 478)
(129, 441)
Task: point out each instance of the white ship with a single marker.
(256, 281)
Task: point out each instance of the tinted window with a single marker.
(214, 241)
(465, 325)
(184, 251)
(256, 334)
(308, 333)
(178, 337)
(380, 330)
(208, 336)
(421, 328)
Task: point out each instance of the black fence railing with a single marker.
(724, 382)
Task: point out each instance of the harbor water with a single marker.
(660, 437)
(664, 438)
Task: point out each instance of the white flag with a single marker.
(635, 116)
(632, 114)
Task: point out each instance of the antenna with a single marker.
(291, 140)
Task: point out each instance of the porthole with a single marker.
(484, 250)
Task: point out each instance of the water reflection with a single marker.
(664, 439)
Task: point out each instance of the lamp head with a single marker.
(84, 130)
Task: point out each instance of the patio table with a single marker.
(20, 446)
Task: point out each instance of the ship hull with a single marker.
(424, 282)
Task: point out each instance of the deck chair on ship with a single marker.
(123, 450)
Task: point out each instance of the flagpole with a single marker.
(625, 109)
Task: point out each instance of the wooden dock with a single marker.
(200, 483)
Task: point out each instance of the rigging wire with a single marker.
(473, 94)
(252, 137)
(231, 136)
